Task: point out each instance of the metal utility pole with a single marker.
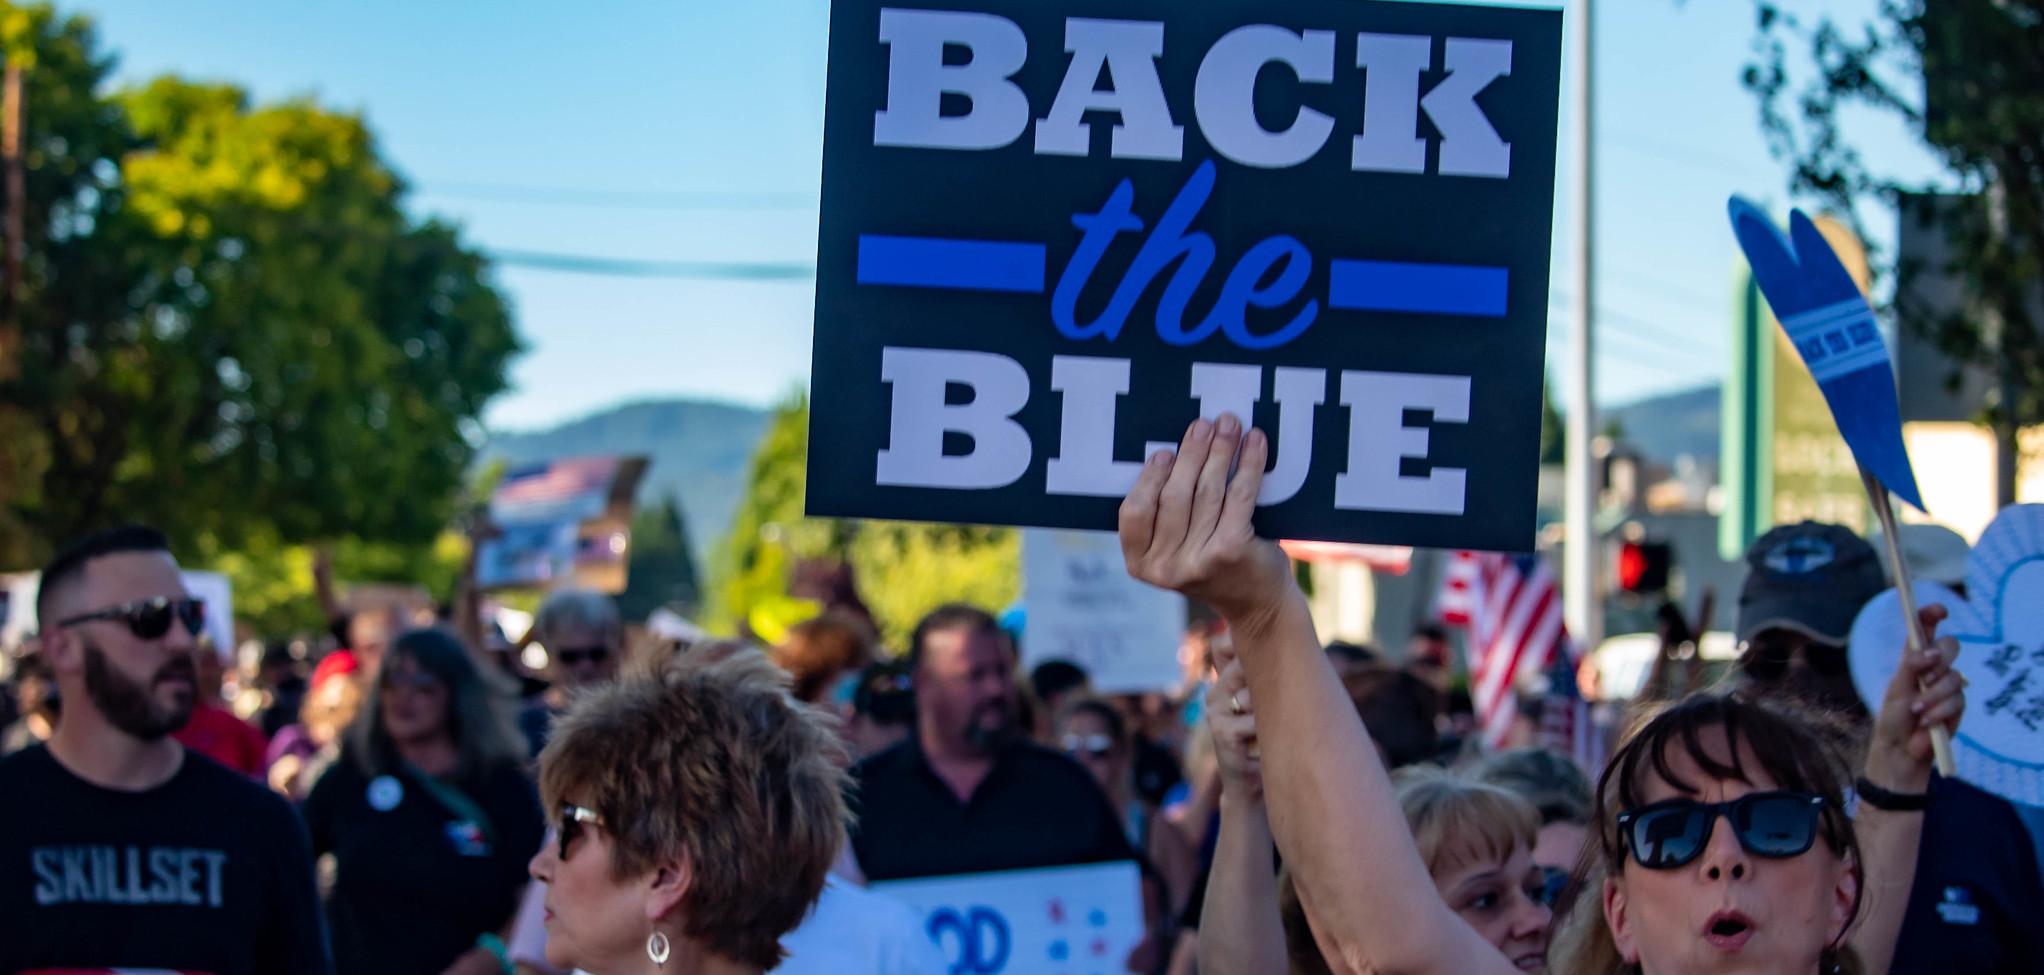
(1582, 603)
(17, 203)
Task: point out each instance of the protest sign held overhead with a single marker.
(1052, 237)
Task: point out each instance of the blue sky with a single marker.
(691, 130)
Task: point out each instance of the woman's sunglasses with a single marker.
(409, 680)
(577, 656)
(149, 619)
(573, 818)
(1092, 746)
(1767, 659)
(1667, 835)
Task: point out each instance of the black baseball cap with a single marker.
(1810, 577)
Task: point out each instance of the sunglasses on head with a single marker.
(1093, 746)
(572, 821)
(149, 619)
(1767, 658)
(577, 656)
(1666, 835)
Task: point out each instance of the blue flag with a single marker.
(1832, 328)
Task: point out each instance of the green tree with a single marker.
(662, 571)
(904, 569)
(230, 327)
(1553, 438)
(1967, 77)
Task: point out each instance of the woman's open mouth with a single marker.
(1728, 930)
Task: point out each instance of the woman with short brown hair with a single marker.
(699, 809)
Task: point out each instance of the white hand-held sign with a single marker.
(1999, 744)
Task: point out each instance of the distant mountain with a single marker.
(1666, 427)
(700, 452)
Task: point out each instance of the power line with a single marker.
(629, 268)
(618, 199)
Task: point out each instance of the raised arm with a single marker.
(1186, 526)
(1925, 692)
(1241, 932)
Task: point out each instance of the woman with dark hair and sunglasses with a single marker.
(1729, 858)
(429, 817)
(1095, 734)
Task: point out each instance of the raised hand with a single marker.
(1924, 693)
(1231, 716)
(1185, 524)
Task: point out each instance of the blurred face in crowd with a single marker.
(1560, 845)
(370, 633)
(212, 671)
(965, 690)
(1809, 669)
(1086, 738)
(1503, 899)
(145, 686)
(1727, 910)
(414, 701)
(1428, 658)
(330, 707)
(583, 655)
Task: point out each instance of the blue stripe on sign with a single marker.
(1433, 289)
(937, 262)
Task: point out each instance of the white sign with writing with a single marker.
(1083, 607)
(1999, 744)
(1055, 921)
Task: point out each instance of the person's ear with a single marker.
(670, 885)
(1617, 918)
(1844, 895)
(61, 648)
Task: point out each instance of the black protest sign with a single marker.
(1055, 233)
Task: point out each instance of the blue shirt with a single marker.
(1978, 902)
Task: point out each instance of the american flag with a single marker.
(1511, 606)
(557, 490)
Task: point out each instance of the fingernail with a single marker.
(1160, 458)
(1228, 425)
(1202, 426)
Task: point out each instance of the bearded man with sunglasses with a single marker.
(1978, 902)
(123, 850)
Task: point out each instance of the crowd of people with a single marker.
(411, 802)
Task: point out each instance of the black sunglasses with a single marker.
(1768, 660)
(149, 619)
(576, 656)
(573, 818)
(1668, 834)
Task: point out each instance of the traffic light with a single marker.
(1643, 566)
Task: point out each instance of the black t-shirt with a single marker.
(416, 881)
(1978, 903)
(208, 872)
(1036, 808)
